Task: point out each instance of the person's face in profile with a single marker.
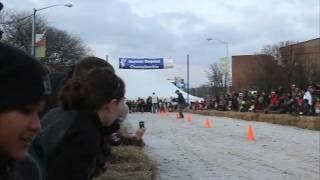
(111, 110)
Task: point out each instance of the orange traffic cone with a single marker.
(189, 118)
(250, 134)
(207, 123)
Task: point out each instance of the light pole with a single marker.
(227, 56)
(188, 78)
(34, 23)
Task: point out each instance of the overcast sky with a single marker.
(174, 28)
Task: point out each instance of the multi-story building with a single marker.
(252, 72)
(302, 62)
(299, 64)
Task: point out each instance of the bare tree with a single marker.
(274, 50)
(216, 78)
(64, 47)
(61, 47)
(268, 73)
(17, 28)
(290, 57)
(292, 62)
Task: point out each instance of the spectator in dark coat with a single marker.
(21, 94)
(94, 101)
(181, 103)
(57, 81)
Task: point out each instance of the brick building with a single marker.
(252, 72)
(299, 64)
(302, 61)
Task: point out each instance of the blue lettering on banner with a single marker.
(141, 63)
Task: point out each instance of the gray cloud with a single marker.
(173, 29)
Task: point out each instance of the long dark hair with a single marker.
(91, 91)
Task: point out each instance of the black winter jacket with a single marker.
(18, 170)
(73, 144)
(181, 99)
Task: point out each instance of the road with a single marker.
(189, 151)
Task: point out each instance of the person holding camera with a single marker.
(55, 120)
(181, 103)
(123, 135)
(74, 144)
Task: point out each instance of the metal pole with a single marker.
(34, 24)
(107, 58)
(188, 78)
(229, 65)
(227, 73)
(33, 32)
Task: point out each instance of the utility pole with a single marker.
(228, 73)
(188, 78)
(33, 36)
(33, 53)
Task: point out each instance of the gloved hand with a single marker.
(139, 133)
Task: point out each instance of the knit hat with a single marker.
(21, 79)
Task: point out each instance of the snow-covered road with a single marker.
(190, 151)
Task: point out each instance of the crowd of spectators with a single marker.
(145, 105)
(293, 100)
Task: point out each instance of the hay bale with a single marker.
(240, 115)
(294, 121)
(212, 113)
(267, 118)
(282, 119)
(301, 122)
(225, 113)
(250, 116)
(305, 122)
(114, 175)
(316, 124)
(218, 113)
(244, 116)
(205, 112)
(259, 117)
(231, 114)
(128, 154)
(310, 122)
(131, 141)
(129, 162)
